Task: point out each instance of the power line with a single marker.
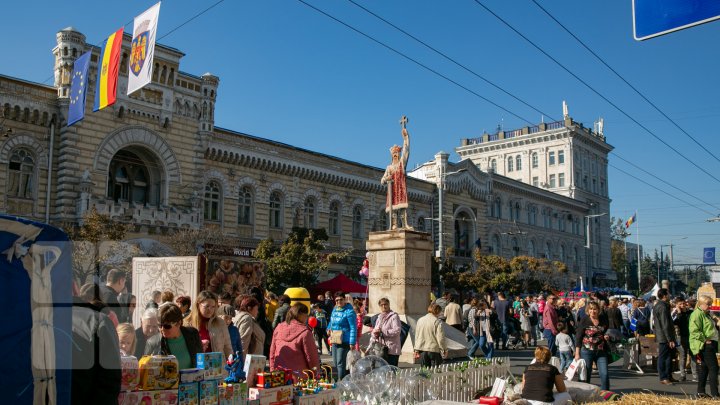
(166, 34)
(658, 178)
(414, 61)
(467, 69)
(626, 82)
(661, 190)
(596, 91)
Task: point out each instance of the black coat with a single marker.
(664, 327)
(158, 344)
(96, 370)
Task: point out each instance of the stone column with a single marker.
(400, 270)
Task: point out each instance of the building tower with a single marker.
(207, 102)
(70, 45)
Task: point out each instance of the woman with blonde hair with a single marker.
(704, 345)
(539, 379)
(214, 334)
(126, 337)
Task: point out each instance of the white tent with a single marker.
(652, 293)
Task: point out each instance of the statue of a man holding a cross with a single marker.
(394, 176)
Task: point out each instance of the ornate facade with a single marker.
(156, 160)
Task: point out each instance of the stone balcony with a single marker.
(142, 215)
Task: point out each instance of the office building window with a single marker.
(561, 180)
(518, 162)
(534, 160)
(245, 206)
(561, 157)
(535, 181)
(552, 181)
(510, 164)
(551, 158)
(212, 201)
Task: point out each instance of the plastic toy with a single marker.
(234, 368)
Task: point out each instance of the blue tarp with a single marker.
(17, 384)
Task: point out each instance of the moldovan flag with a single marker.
(143, 48)
(630, 221)
(108, 69)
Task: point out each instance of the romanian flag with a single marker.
(630, 221)
(108, 68)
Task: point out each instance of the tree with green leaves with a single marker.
(297, 262)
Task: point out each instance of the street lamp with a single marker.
(587, 232)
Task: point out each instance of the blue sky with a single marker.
(291, 74)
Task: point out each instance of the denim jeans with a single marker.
(339, 355)
(683, 354)
(599, 357)
(626, 328)
(708, 369)
(566, 358)
(504, 335)
(664, 361)
(487, 347)
(547, 333)
(474, 345)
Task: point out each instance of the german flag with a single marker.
(108, 69)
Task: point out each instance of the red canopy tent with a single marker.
(339, 283)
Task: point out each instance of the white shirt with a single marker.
(564, 342)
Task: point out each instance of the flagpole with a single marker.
(637, 236)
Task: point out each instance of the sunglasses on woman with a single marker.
(168, 325)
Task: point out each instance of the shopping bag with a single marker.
(576, 367)
(498, 388)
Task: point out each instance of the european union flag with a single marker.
(78, 89)
(709, 255)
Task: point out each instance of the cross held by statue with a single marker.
(403, 121)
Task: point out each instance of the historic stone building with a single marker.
(156, 160)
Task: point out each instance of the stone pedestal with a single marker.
(400, 270)
(400, 263)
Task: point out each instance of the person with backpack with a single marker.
(320, 330)
(641, 318)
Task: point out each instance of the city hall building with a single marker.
(156, 160)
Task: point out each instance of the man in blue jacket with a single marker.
(342, 331)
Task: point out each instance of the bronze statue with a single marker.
(397, 200)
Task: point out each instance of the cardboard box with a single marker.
(159, 373)
(130, 373)
(254, 363)
(208, 392)
(272, 396)
(190, 375)
(325, 397)
(129, 398)
(212, 363)
(165, 397)
(188, 394)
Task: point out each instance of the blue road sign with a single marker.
(652, 18)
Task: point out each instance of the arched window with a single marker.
(518, 162)
(245, 206)
(334, 219)
(421, 224)
(517, 212)
(276, 210)
(496, 208)
(534, 160)
(548, 251)
(21, 182)
(212, 201)
(310, 213)
(129, 178)
(531, 249)
(563, 257)
(463, 233)
(510, 164)
(357, 222)
(532, 215)
(495, 247)
(515, 247)
(493, 165)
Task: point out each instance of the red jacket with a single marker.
(293, 348)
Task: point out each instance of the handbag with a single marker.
(336, 337)
(576, 366)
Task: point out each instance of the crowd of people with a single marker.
(292, 336)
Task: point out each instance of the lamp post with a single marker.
(588, 246)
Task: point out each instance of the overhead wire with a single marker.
(452, 81)
(386, 46)
(591, 88)
(625, 81)
(462, 66)
(164, 35)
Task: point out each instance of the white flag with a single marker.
(143, 49)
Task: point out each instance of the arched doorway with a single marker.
(135, 174)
